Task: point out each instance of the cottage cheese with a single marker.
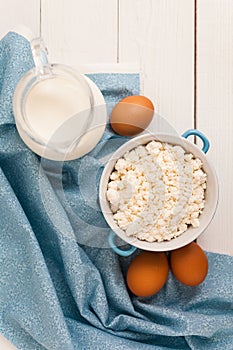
(157, 191)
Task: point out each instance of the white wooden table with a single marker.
(182, 48)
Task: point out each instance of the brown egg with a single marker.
(131, 115)
(189, 264)
(147, 273)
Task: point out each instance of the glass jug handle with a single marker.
(40, 56)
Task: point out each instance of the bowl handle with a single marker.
(206, 144)
(117, 250)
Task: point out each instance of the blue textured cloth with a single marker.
(58, 294)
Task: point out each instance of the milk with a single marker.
(58, 111)
(58, 116)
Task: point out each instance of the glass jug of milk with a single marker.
(59, 113)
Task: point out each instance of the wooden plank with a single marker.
(80, 32)
(160, 35)
(215, 110)
(15, 13)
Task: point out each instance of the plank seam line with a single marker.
(118, 31)
(195, 67)
(40, 17)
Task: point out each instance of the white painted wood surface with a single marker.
(80, 31)
(157, 38)
(215, 110)
(160, 36)
(14, 13)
